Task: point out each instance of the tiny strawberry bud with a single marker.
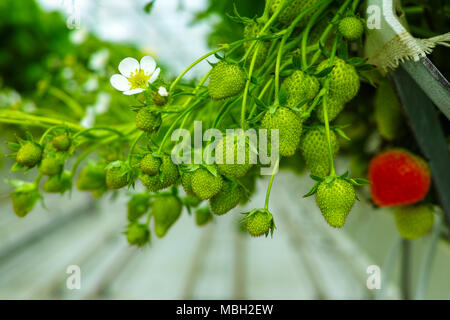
(138, 234)
(29, 154)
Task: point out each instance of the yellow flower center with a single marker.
(138, 79)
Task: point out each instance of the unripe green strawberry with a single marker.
(226, 199)
(234, 168)
(148, 120)
(259, 223)
(226, 80)
(138, 206)
(92, 178)
(344, 80)
(351, 28)
(314, 148)
(58, 184)
(166, 210)
(205, 185)
(252, 30)
(388, 112)
(116, 176)
(61, 142)
(299, 87)
(24, 199)
(191, 201)
(334, 107)
(335, 199)
(51, 166)
(289, 125)
(29, 154)
(167, 176)
(186, 182)
(202, 216)
(413, 222)
(138, 234)
(288, 15)
(150, 164)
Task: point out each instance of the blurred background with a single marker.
(55, 52)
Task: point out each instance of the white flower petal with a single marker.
(163, 92)
(133, 91)
(148, 64)
(127, 66)
(119, 82)
(154, 76)
(89, 119)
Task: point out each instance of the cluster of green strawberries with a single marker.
(313, 89)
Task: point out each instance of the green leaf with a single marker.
(356, 61)
(301, 104)
(286, 73)
(365, 67)
(316, 178)
(14, 146)
(312, 191)
(218, 56)
(16, 167)
(253, 80)
(361, 181)
(344, 175)
(342, 134)
(324, 72)
(29, 136)
(149, 6)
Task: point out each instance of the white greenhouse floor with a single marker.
(305, 259)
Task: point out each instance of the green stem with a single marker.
(260, 96)
(38, 179)
(307, 29)
(174, 123)
(91, 149)
(133, 145)
(247, 86)
(269, 188)
(67, 100)
(268, 24)
(327, 132)
(95, 129)
(18, 117)
(41, 141)
(277, 71)
(325, 112)
(193, 64)
(328, 29)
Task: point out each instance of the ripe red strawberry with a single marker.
(398, 178)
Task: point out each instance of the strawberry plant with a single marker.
(294, 83)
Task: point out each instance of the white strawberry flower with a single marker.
(135, 76)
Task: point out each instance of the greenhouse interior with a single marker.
(224, 150)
